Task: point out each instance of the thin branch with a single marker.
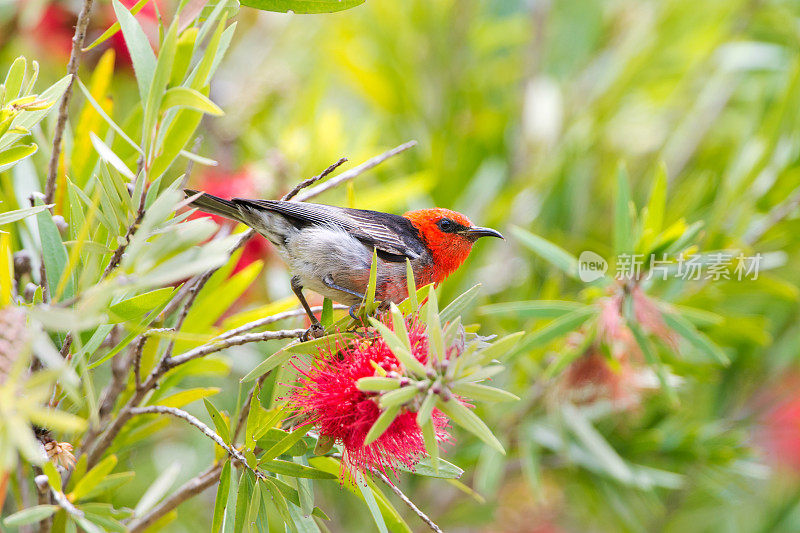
(311, 181)
(270, 319)
(63, 110)
(425, 518)
(191, 488)
(353, 172)
(217, 345)
(204, 429)
(120, 250)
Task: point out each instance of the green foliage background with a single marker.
(523, 112)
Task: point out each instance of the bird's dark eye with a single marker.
(447, 225)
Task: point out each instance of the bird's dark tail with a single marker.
(215, 205)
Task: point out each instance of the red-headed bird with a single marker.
(329, 249)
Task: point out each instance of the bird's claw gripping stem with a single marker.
(316, 331)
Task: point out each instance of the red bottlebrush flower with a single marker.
(231, 185)
(327, 395)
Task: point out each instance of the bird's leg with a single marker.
(316, 330)
(328, 281)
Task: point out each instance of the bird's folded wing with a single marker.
(388, 233)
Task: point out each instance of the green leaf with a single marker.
(179, 399)
(531, 308)
(12, 216)
(425, 410)
(108, 155)
(26, 121)
(372, 284)
(222, 497)
(285, 443)
(434, 323)
(326, 317)
(279, 500)
(381, 424)
(243, 496)
(548, 251)
(499, 348)
(15, 154)
(136, 307)
(57, 419)
(483, 393)
(328, 343)
(656, 205)
(431, 444)
(157, 489)
(274, 360)
(460, 304)
(377, 384)
(398, 348)
(623, 219)
(219, 421)
(324, 445)
(115, 27)
(685, 329)
(289, 468)
(53, 477)
(397, 398)
(429, 468)
(186, 97)
(93, 477)
(14, 79)
(55, 254)
(37, 513)
(557, 328)
(142, 56)
(596, 444)
(464, 417)
(302, 6)
(411, 286)
(372, 504)
(653, 360)
(253, 507)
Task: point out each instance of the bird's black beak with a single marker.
(474, 233)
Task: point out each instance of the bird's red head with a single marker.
(449, 236)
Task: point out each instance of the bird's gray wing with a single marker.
(392, 234)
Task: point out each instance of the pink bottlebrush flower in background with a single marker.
(231, 185)
(649, 317)
(592, 378)
(611, 326)
(778, 433)
(326, 394)
(56, 25)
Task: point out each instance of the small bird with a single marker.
(329, 249)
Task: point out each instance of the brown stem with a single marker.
(311, 181)
(63, 110)
(353, 172)
(191, 488)
(425, 518)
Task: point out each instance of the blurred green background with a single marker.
(523, 111)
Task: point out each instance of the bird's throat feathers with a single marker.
(448, 250)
